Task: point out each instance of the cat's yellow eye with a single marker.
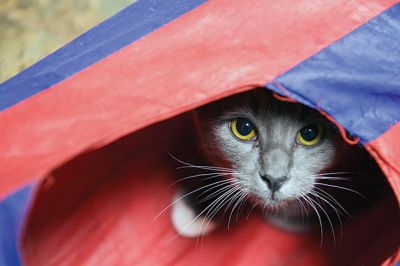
(309, 135)
(243, 129)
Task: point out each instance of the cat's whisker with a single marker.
(187, 194)
(311, 204)
(208, 168)
(298, 200)
(276, 209)
(213, 212)
(242, 204)
(243, 200)
(338, 173)
(208, 175)
(251, 210)
(264, 206)
(220, 190)
(200, 214)
(218, 208)
(283, 207)
(215, 206)
(327, 216)
(343, 188)
(335, 201)
(320, 196)
(205, 167)
(329, 178)
(230, 203)
(241, 196)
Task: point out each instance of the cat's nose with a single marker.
(274, 184)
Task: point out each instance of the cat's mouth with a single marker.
(275, 200)
(273, 197)
(271, 201)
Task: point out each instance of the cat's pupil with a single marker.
(309, 132)
(244, 126)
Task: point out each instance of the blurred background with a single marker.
(32, 29)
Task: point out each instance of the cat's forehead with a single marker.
(261, 105)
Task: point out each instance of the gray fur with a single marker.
(275, 152)
(322, 182)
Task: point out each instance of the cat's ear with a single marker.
(186, 221)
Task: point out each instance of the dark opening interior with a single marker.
(99, 208)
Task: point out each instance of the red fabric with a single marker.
(99, 210)
(213, 51)
(386, 150)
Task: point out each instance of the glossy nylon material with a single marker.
(355, 80)
(109, 218)
(12, 213)
(131, 95)
(384, 149)
(127, 26)
(215, 50)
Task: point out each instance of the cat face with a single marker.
(275, 148)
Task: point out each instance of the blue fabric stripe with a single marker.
(129, 25)
(356, 80)
(12, 212)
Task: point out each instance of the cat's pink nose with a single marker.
(274, 184)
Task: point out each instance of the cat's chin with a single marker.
(272, 202)
(286, 215)
(188, 223)
(292, 224)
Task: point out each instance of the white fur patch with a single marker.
(185, 222)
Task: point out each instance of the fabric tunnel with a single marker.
(85, 132)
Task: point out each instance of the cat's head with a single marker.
(275, 149)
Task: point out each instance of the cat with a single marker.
(255, 152)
